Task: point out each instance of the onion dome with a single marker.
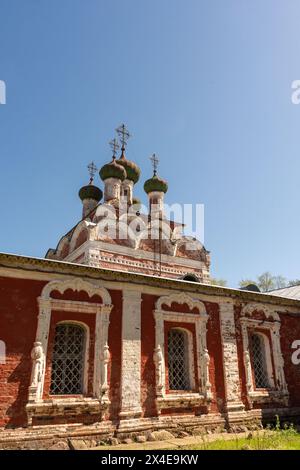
(90, 192)
(112, 170)
(132, 170)
(155, 184)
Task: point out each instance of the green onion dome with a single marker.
(155, 184)
(112, 170)
(90, 192)
(132, 170)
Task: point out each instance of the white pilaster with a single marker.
(230, 358)
(131, 355)
(101, 358)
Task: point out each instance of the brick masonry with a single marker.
(133, 374)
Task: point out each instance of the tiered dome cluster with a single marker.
(121, 169)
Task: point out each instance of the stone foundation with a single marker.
(77, 437)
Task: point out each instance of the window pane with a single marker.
(259, 361)
(178, 360)
(67, 360)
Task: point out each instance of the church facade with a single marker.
(114, 335)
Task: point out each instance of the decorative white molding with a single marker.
(37, 373)
(62, 406)
(199, 319)
(181, 298)
(77, 285)
(39, 352)
(131, 355)
(268, 310)
(278, 388)
(230, 359)
(102, 356)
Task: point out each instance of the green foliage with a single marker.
(247, 282)
(278, 437)
(267, 282)
(218, 282)
(294, 282)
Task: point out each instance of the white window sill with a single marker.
(181, 400)
(65, 406)
(264, 396)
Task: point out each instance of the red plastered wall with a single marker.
(18, 322)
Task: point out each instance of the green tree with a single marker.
(294, 282)
(246, 282)
(266, 282)
(218, 282)
(280, 282)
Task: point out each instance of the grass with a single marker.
(277, 438)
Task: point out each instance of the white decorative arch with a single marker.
(100, 310)
(181, 298)
(77, 285)
(62, 243)
(199, 319)
(84, 225)
(278, 391)
(268, 310)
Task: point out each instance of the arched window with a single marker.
(68, 360)
(259, 362)
(178, 360)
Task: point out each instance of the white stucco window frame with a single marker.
(278, 391)
(56, 404)
(194, 397)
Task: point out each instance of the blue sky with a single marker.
(205, 84)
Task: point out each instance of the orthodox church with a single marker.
(141, 243)
(117, 332)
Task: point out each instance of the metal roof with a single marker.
(287, 292)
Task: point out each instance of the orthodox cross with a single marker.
(123, 135)
(92, 171)
(154, 161)
(114, 146)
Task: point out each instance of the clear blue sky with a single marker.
(205, 84)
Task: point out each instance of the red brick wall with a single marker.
(289, 332)
(85, 319)
(147, 350)
(214, 346)
(115, 344)
(18, 321)
(148, 344)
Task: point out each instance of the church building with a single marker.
(118, 332)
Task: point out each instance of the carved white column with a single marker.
(278, 359)
(37, 373)
(159, 347)
(131, 355)
(247, 361)
(203, 356)
(158, 361)
(102, 356)
(230, 358)
(39, 351)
